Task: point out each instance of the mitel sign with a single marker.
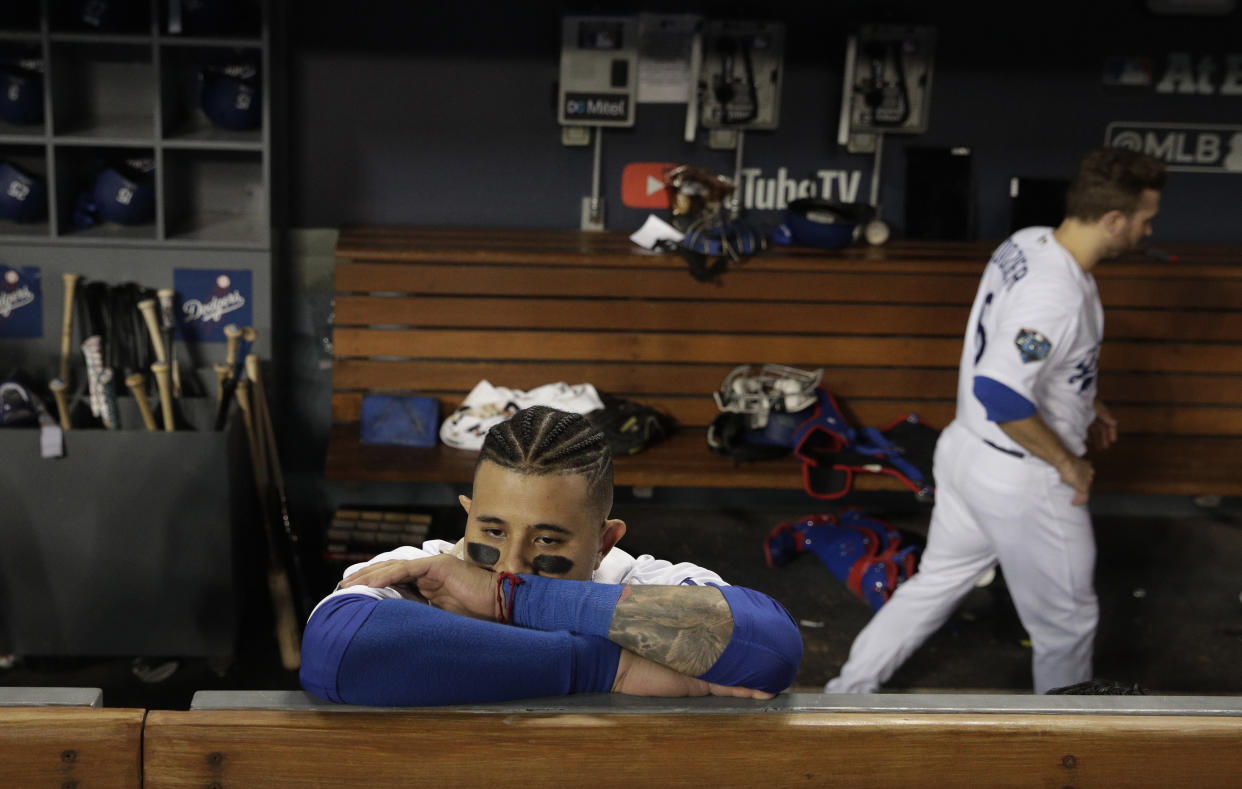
(1183, 147)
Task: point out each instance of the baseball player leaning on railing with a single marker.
(535, 600)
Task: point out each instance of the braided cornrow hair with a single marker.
(542, 440)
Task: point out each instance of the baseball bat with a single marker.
(165, 386)
(288, 635)
(248, 334)
(110, 415)
(92, 355)
(62, 402)
(233, 335)
(266, 437)
(228, 384)
(222, 377)
(147, 306)
(137, 384)
(165, 296)
(66, 326)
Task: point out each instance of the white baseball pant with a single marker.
(991, 507)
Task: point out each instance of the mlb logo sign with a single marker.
(642, 185)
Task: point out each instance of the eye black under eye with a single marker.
(551, 565)
(482, 554)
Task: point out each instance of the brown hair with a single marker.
(1112, 179)
(542, 440)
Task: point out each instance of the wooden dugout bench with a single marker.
(287, 738)
(433, 311)
(63, 737)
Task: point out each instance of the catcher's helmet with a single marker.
(21, 92)
(125, 194)
(23, 197)
(826, 224)
(230, 96)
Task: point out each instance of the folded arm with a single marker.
(726, 635)
(395, 652)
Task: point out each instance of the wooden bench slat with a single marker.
(825, 318)
(734, 349)
(700, 411)
(416, 243)
(1224, 294)
(630, 378)
(647, 315)
(882, 286)
(1189, 466)
(639, 380)
(71, 746)
(621, 346)
(591, 281)
(275, 748)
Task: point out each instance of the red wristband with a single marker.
(506, 605)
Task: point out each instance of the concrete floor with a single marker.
(1167, 577)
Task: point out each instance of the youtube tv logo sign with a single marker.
(642, 184)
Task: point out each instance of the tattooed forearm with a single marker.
(683, 627)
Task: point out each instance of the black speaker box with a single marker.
(940, 194)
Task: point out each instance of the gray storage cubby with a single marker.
(183, 122)
(19, 47)
(32, 160)
(102, 92)
(128, 544)
(215, 196)
(133, 84)
(76, 169)
(18, 15)
(110, 17)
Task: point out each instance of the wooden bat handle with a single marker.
(223, 371)
(57, 386)
(153, 328)
(233, 334)
(66, 326)
(164, 382)
(137, 386)
(250, 334)
(287, 636)
(252, 367)
(166, 296)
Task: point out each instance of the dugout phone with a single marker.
(740, 81)
(599, 71)
(887, 89)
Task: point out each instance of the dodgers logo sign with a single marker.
(1190, 148)
(21, 305)
(209, 301)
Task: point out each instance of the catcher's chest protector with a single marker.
(832, 451)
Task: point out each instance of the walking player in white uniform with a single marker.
(1011, 481)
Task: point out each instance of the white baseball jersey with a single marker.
(1036, 327)
(618, 567)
